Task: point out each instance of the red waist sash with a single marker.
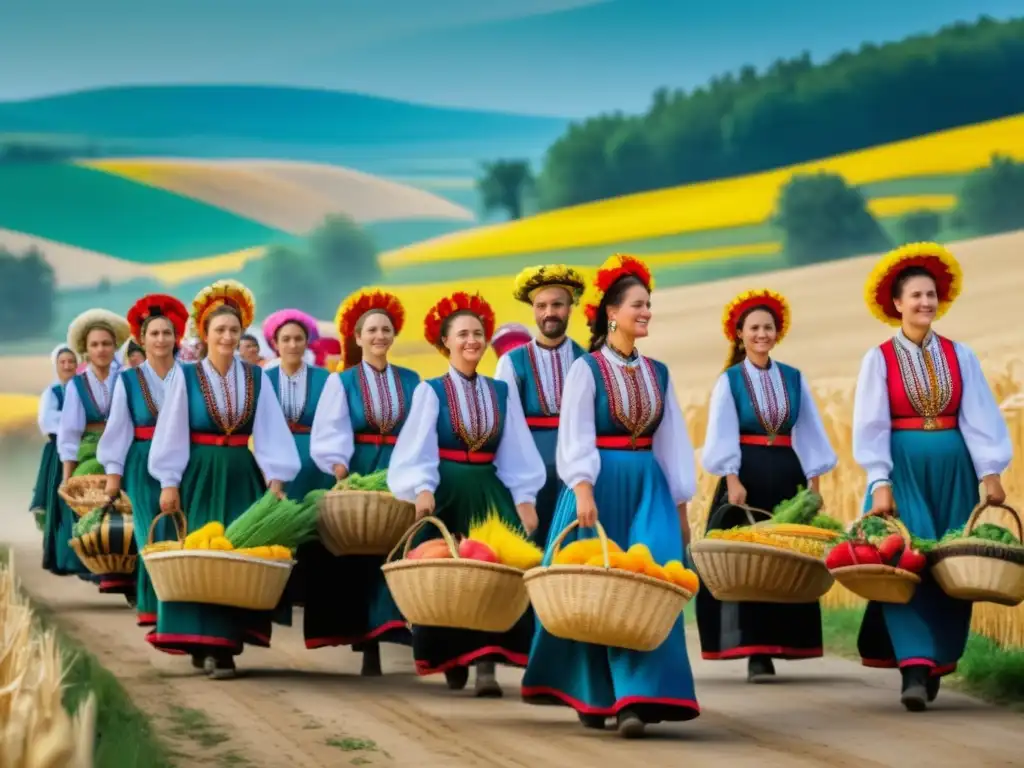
(466, 457)
(624, 443)
(924, 423)
(144, 433)
(299, 429)
(542, 422)
(370, 438)
(221, 441)
(779, 441)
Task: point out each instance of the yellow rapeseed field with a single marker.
(728, 202)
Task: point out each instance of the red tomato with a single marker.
(866, 554)
(913, 561)
(891, 548)
(840, 556)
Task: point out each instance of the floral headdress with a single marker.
(747, 301)
(447, 306)
(157, 305)
(277, 319)
(613, 268)
(932, 257)
(509, 336)
(534, 279)
(223, 292)
(97, 318)
(357, 305)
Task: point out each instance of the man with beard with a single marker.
(538, 368)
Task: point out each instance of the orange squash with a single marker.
(433, 549)
(582, 550)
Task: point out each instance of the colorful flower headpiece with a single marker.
(533, 279)
(229, 292)
(932, 257)
(277, 319)
(746, 301)
(157, 305)
(613, 268)
(509, 336)
(324, 349)
(474, 303)
(357, 305)
(97, 318)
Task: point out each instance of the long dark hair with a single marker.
(613, 297)
(738, 354)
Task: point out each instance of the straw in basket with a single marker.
(111, 547)
(458, 593)
(878, 582)
(604, 605)
(737, 571)
(363, 522)
(981, 571)
(85, 493)
(214, 577)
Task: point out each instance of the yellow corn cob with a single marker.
(220, 543)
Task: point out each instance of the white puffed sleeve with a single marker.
(506, 372)
(272, 441)
(119, 433)
(721, 452)
(517, 461)
(331, 439)
(810, 442)
(673, 449)
(576, 457)
(72, 424)
(872, 421)
(171, 446)
(48, 415)
(981, 422)
(414, 462)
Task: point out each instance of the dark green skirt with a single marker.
(58, 558)
(468, 492)
(144, 492)
(220, 483)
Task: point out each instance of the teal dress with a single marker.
(221, 481)
(364, 611)
(60, 561)
(469, 487)
(532, 368)
(635, 506)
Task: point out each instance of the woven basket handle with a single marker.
(896, 526)
(748, 511)
(180, 524)
(406, 541)
(557, 546)
(972, 521)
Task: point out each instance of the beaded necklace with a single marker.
(929, 396)
(772, 416)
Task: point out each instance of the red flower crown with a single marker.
(616, 266)
(157, 305)
(357, 305)
(438, 313)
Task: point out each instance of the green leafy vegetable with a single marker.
(376, 481)
(88, 523)
(800, 509)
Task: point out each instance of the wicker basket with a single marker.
(604, 605)
(363, 522)
(980, 571)
(214, 577)
(876, 582)
(87, 492)
(457, 592)
(111, 547)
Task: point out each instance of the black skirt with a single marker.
(741, 630)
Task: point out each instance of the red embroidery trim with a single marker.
(211, 402)
(455, 416)
(147, 396)
(639, 413)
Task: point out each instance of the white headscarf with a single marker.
(57, 350)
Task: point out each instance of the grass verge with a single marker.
(987, 670)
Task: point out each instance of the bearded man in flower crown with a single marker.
(537, 369)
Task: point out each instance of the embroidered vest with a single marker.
(746, 399)
(900, 381)
(201, 407)
(357, 390)
(316, 377)
(450, 432)
(93, 414)
(611, 412)
(525, 364)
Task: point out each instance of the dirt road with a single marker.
(299, 709)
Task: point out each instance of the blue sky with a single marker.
(556, 57)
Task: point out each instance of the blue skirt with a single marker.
(634, 506)
(935, 488)
(547, 499)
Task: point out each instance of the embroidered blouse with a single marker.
(119, 434)
(73, 420)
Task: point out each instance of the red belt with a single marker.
(221, 441)
(299, 429)
(542, 422)
(924, 423)
(144, 433)
(779, 441)
(624, 443)
(369, 438)
(466, 457)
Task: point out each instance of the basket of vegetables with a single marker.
(83, 493)
(104, 540)
(464, 584)
(246, 565)
(593, 592)
(878, 561)
(777, 560)
(359, 516)
(983, 563)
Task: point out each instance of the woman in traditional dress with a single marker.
(765, 440)
(48, 478)
(200, 456)
(361, 414)
(465, 450)
(926, 430)
(621, 439)
(95, 334)
(157, 323)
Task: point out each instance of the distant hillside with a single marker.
(260, 114)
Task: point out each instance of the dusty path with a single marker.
(299, 709)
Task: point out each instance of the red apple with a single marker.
(476, 550)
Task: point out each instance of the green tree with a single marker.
(823, 218)
(992, 198)
(920, 226)
(504, 185)
(288, 279)
(27, 294)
